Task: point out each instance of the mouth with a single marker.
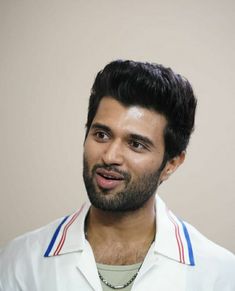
(108, 180)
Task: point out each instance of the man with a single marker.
(139, 123)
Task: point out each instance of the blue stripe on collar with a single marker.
(54, 237)
(189, 244)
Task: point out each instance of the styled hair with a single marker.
(153, 87)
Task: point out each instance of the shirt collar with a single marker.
(172, 238)
(69, 235)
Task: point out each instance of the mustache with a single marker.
(112, 168)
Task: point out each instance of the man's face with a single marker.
(123, 153)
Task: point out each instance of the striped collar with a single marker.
(172, 236)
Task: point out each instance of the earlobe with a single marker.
(171, 166)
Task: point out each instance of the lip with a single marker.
(109, 174)
(108, 180)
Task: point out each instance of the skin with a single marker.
(114, 236)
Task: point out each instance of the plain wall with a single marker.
(50, 52)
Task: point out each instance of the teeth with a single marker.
(110, 177)
(109, 174)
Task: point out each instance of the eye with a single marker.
(101, 136)
(137, 146)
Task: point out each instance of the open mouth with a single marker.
(108, 179)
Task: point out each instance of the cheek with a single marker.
(141, 164)
(91, 152)
(87, 152)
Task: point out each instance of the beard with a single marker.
(133, 196)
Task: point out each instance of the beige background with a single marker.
(50, 52)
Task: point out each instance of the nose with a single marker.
(113, 153)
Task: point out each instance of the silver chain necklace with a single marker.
(117, 287)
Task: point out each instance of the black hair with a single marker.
(151, 86)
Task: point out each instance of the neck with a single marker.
(110, 232)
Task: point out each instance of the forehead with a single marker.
(132, 119)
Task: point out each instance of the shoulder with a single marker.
(207, 249)
(185, 243)
(212, 260)
(26, 248)
(26, 260)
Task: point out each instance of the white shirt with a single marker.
(57, 257)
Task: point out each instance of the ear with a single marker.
(171, 166)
